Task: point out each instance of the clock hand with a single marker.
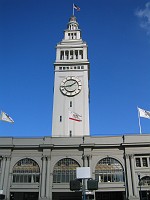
(70, 85)
(73, 83)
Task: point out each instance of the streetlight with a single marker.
(139, 177)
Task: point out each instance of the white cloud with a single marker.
(144, 16)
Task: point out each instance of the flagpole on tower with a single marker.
(73, 9)
(139, 121)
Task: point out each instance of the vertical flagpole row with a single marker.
(139, 122)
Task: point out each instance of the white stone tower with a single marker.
(71, 89)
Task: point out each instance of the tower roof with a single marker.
(73, 22)
(73, 18)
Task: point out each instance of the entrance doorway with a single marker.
(67, 196)
(144, 195)
(110, 195)
(24, 195)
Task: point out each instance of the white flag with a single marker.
(74, 116)
(5, 117)
(144, 113)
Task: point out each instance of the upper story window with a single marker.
(72, 54)
(70, 103)
(142, 161)
(65, 170)
(26, 171)
(81, 54)
(109, 170)
(138, 162)
(72, 35)
(70, 133)
(62, 55)
(76, 54)
(66, 55)
(77, 67)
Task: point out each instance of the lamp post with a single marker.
(139, 177)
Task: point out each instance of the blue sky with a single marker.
(118, 37)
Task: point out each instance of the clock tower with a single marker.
(71, 88)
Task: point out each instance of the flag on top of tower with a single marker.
(74, 116)
(5, 117)
(76, 7)
(144, 113)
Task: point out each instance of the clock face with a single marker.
(70, 86)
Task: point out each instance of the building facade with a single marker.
(41, 168)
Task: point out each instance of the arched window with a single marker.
(26, 171)
(66, 55)
(81, 54)
(61, 55)
(65, 170)
(109, 170)
(71, 54)
(145, 180)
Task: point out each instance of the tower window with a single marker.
(70, 133)
(76, 54)
(71, 35)
(67, 55)
(62, 55)
(60, 118)
(71, 54)
(70, 103)
(81, 54)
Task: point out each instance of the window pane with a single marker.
(24, 170)
(109, 170)
(65, 170)
(144, 160)
(138, 162)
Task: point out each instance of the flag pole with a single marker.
(1, 116)
(73, 9)
(139, 121)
